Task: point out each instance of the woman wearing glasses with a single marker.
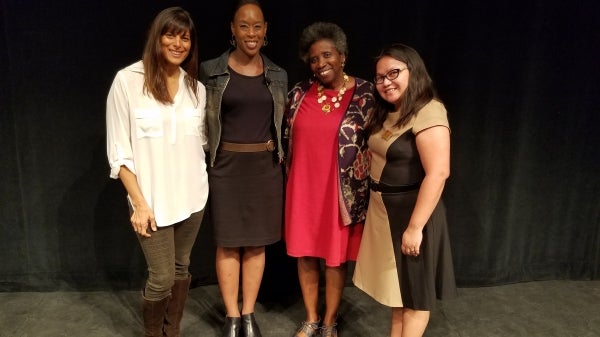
(404, 260)
(327, 186)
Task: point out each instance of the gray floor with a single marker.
(549, 308)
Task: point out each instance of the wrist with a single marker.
(415, 227)
(139, 204)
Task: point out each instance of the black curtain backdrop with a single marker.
(520, 80)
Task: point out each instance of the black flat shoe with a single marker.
(249, 326)
(232, 327)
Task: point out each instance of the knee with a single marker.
(254, 251)
(181, 272)
(159, 286)
(308, 262)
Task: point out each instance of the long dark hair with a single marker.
(174, 20)
(419, 92)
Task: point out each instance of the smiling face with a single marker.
(249, 29)
(175, 47)
(393, 90)
(326, 63)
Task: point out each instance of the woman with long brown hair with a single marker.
(155, 132)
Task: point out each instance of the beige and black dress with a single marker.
(381, 270)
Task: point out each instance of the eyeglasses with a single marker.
(390, 75)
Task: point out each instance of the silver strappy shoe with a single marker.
(310, 329)
(329, 331)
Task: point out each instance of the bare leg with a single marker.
(335, 278)
(228, 275)
(396, 322)
(414, 322)
(308, 275)
(253, 267)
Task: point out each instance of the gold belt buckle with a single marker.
(270, 145)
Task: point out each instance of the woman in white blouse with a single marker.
(155, 133)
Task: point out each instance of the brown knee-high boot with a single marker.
(153, 313)
(179, 294)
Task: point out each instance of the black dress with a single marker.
(246, 188)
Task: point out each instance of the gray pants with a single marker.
(167, 254)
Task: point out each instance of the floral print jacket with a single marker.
(353, 155)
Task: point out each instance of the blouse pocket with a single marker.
(193, 122)
(148, 123)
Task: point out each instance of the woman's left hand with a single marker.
(411, 241)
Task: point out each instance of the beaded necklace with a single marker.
(322, 98)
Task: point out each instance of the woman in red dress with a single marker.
(327, 163)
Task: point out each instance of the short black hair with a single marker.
(319, 31)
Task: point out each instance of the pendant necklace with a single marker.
(387, 134)
(322, 98)
(392, 119)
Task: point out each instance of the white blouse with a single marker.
(161, 144)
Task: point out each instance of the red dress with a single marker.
(313, 225)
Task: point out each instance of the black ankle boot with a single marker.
(249, 326)
(232, 327)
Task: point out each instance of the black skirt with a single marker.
(429, 276)
(246, 198)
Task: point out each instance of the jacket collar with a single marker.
(221, 64)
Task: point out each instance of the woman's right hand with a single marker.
(142, 219)
(143, 215)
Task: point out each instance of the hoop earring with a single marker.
(232, 41)
(265, 41)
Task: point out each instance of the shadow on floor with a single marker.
(544, 309)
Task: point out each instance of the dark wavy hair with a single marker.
(319, 31)
(171, 20)
(419, 92)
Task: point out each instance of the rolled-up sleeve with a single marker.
(118, 130)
